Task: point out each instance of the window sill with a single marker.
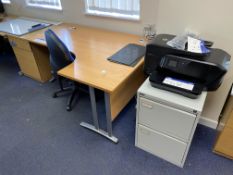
(6, 3)
(113, 15)
(45, 7)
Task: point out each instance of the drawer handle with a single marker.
(13, 44)
(145, 132)
(147, 105)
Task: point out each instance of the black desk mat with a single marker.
(129, 55)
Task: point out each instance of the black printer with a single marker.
(184, 72)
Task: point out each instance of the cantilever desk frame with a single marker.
(92, 47)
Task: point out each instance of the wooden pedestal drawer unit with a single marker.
(33, 59)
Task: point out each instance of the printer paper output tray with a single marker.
(157, 80)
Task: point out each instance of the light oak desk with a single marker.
(92, 47)
(32, 59)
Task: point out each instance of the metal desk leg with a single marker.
(96, 127)
(109, 118)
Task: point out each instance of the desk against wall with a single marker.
(92, 47)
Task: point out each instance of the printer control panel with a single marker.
(171, 62)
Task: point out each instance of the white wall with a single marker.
(73, 11)
(212, 19)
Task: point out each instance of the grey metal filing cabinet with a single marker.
(166, 122)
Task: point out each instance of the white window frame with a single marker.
(113, 14)
(6, 1)
(45, 6)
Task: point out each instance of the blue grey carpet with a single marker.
(38, 136)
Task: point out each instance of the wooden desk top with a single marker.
(92, 47)
(16, 20)
(7, 18)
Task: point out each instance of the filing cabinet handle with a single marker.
(145, 132)
(147, 105)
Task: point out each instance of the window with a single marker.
(126, 9)
(6, 1)
(51, 4)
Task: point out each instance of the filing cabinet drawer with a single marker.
(161, 145)
(19, 43)
(166, 119)
(27, 63)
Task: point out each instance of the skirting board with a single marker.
(208, 122)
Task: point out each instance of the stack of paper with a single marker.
(196, 46)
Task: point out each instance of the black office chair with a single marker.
(60, 57)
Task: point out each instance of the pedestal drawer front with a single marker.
(166, 119)
(161, 145)
(27, 63)
(19, 43)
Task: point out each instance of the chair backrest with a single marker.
(60, 56)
